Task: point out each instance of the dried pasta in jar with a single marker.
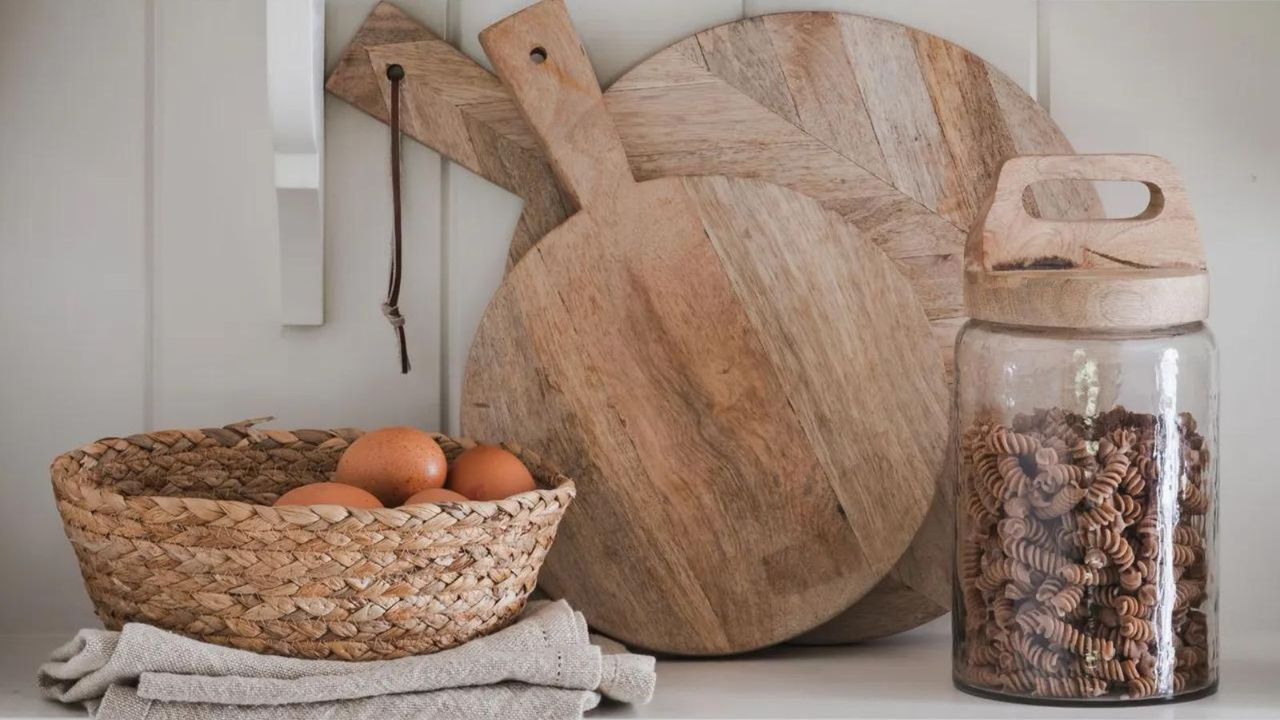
(1084, 619)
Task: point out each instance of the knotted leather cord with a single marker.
(391, 307)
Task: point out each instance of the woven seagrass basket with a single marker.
(175, 529)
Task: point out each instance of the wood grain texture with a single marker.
(701, 355)
(1143, 271)
(706, 389)
(677, 115)
(829, 102)
(1163, 235)
(903, 145)
(542, 63)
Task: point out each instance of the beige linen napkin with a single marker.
(543, 666)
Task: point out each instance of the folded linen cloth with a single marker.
(542, 666)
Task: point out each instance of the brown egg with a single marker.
(487, 472)
(435, 495)
(393, 463)
(328, 493)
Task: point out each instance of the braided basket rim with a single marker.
(70, 468)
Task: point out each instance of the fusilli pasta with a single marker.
(1062, 540)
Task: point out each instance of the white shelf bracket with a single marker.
(295, 90)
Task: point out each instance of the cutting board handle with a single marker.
(1162, 235)
(537, 54)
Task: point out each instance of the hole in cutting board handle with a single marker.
(1121, 199)
(538, 55)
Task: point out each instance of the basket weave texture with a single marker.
(175, 529)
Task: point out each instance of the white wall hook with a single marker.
(295, 89)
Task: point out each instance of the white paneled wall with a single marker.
(220, 352)
(73, 272)
(138, 270)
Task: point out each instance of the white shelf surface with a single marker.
(907, 676)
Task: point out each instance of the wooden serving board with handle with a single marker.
(806, 100)
(743, 387)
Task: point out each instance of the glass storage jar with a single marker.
(1086, 394)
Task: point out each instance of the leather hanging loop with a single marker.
(391, 306)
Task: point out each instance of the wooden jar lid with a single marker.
(1126, 273)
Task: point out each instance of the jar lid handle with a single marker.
(1139, 272)
(1163, 235)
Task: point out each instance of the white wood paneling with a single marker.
(617, 35)
(72, 285)
(1003, 32)
(1197, 83)
(221, 353)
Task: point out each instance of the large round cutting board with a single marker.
(701, 355)
(898, 131)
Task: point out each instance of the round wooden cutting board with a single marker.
(896, 130)
(742, 387)
(901, 133)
